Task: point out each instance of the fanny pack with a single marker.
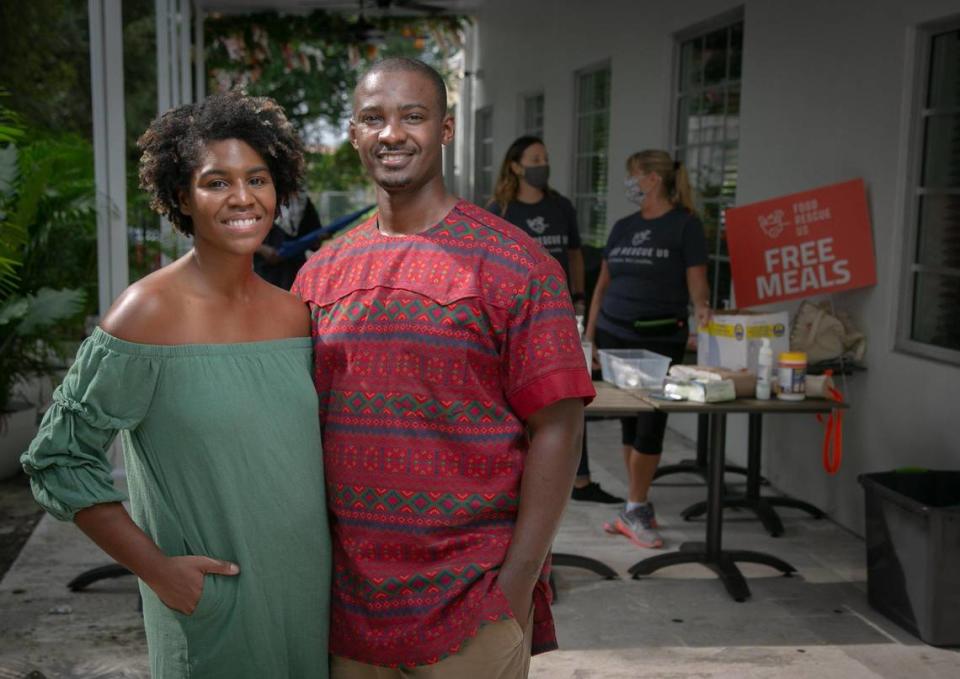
(655, 326)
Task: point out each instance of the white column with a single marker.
(199, 55)
(174, 77)
(109, 139)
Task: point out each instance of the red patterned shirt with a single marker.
(431, 350)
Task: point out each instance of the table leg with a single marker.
(710, 553)
(577, 561)
(697, 466)
(762, 506)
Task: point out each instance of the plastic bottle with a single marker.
(764, 370)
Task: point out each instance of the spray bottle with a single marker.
(764, 370)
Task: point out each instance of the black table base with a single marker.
(698, 466)
(577, 561)
(724, 564)
(711, 554)
(762, 506)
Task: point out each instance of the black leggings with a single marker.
(645, 431)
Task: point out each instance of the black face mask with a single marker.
(537, 175)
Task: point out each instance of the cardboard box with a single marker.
(733, 338)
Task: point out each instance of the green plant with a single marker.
(13, 230)
(26, 348)
(45, 201)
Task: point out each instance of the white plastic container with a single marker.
(764, 370)
(793, 372)
(633, 368)
(587, 353)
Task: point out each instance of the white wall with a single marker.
(824, 92)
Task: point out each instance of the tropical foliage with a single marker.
(47, 241)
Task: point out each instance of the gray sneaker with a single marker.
(639, 526)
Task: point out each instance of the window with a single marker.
(707, 105)
(591, 158)
(929, 322)
(531, 114)
(483, 159)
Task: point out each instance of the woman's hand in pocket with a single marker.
(179, 584)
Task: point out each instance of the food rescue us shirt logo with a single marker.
(805, 244)
(635, 253)
(537, 225)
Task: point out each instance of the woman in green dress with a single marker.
(205, 371)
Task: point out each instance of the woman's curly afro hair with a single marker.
(174, 144)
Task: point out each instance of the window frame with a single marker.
(588, 235)
(918, 90)
(702, 29)
(525, 97)
(478, 143)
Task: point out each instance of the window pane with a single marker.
(942, 151)
(686, 65)
(736, 50)
(711, 224)
(601, 95)
(600, 131)
(585, 134)
(935, 317)
(593, 122)
(692, 161)
(731, 162)
(711, 171)
(945, 70)
(715, 57)
(586, 92)
(939, 241)
(733, 114)
(691, 70)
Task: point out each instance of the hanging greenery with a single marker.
(310, 62)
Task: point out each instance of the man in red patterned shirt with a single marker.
(452, 386)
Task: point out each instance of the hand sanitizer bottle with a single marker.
(764, 370)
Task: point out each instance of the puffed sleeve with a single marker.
(105, 391)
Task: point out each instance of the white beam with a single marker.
(109, 152)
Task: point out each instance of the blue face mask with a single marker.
(632, 189)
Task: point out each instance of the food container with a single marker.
(792, 371)
(700, 391)
(633, 368)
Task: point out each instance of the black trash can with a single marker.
(913, 551)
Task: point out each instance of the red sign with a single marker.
(804, 244)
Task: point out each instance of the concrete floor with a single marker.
(678, 623)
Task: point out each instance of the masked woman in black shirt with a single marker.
(524, 198)
(654, 267)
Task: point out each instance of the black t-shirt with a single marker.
(552, 222)
(648, 261)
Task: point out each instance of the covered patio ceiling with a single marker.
(368, 7)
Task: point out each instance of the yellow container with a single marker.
(792, 373)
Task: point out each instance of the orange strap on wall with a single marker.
(833, 434)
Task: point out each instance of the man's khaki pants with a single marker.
(501, 650)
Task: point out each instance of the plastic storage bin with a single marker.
(633, 368)
(913, 551)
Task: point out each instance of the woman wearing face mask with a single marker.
(524, 198)
(654, 267)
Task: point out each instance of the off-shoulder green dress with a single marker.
(223, 458)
